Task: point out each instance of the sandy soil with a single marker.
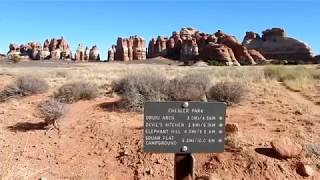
(97, 141)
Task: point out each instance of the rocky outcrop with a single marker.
(33, 50)
(218, 52)
(59, 48)
(274, 44)
(80, 53)
(241, 52)
(317, 58)
(128, 49)
(94, 54)
(190, 44)
(111, 53)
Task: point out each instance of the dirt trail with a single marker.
(313, 108)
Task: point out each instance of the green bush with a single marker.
(24, 86)
(75, 91)
(227, 91)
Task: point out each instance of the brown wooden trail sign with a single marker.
(184, 128)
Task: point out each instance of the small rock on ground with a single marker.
(286, 148)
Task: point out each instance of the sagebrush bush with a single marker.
(51, 110)
(75, 91)
(189, 87)
(227, 91)
(138, 87)
(24, 86)
(16, 59)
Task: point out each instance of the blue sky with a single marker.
(101, 22)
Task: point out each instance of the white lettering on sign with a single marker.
(178, 110)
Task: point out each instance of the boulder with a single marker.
(274, 44)
(305, 170)
(220, 53)
(232, 129)
(286, 148)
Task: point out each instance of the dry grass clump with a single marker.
(24, 86)
(51, 110)
(191, 87)
(295, 78)
(139, 87)
(289, 73)
(227, 91)
(75, 91)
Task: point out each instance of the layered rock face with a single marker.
(128, 49)
(80, 53)
(94, 54)
(33, 50)
(190, 44)
(58, 48)
(317, 58)
(111, 53)
(274, 44)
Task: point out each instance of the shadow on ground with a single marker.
(114, 106)
(268, 152)
(27, 126)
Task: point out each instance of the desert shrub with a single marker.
(227, 91)
(51, 110)
(24, 86)
(75, 91)
(138, 87)
(16, 58)
(192, 86)
(215, 63)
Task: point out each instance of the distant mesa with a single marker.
(274, 44)
(128, 49)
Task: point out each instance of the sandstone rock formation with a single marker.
(14, 50)
(274, 44)
(317, 58)
(94, 54)
(218, 52)
(58, 48)
(190, 44)
(128, 49)
(80, 53)
(33, 50)
(111, 53)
